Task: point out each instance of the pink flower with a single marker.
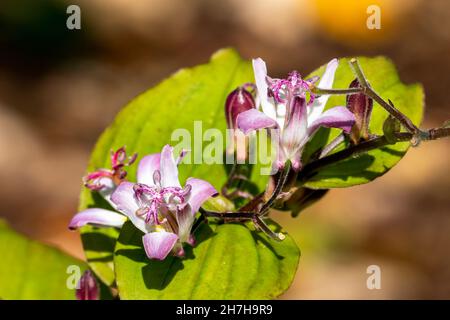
(285, 107)
(157, 205)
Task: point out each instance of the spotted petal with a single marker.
(158, 244)
(97, 216)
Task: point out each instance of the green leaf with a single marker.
(409, 99)
(228, 262)
(30, 270)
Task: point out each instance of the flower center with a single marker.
(284, 89)
(156, 203)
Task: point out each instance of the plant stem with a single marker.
(229, 215)
(265, 228)
(367, 90)
(320, 91)
(374, 143)
(278, 188)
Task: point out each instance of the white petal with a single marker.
(147, 166)
(326, 82)
(98, 217)
(169, 170)
(260, 71)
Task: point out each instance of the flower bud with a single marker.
(238, 101)
(361, 106)
(87, 287)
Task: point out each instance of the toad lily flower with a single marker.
(285, 107)
(158, 205)
(105, 182)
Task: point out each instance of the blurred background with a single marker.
(59, 89)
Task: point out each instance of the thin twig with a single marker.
(278, 188)
(367, 90)
(374, 143)
(349, 91)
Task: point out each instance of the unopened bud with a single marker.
(87, 287)
(238, 101)
(361, 106)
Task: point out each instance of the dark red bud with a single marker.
(238, 101)
(87, 287)
(361, 106)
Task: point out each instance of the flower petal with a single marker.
(183, 154)
(253, 120)
(97, 216)
(125, 201)
(294, 135)
(326, 82)
(168, 167)
(158, 244)
(201, 190)
(260, 71)
(337, 117)
(108, 188)
(147, 166)
(185, 220)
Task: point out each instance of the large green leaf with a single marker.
(30, 270)
(229, 262)
(384, 79)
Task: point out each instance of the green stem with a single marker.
(278, 188)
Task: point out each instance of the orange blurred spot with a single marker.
(346, 20)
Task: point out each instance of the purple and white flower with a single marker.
(158, 205)
(289, 106)
(105, 182)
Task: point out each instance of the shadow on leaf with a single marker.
(268, 243)
(98, 242)
(156, 274)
